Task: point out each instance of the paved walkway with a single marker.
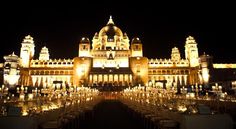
(109, 114)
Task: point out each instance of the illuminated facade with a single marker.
(11, 72)
(111, 59)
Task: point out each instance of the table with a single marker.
(200, 121)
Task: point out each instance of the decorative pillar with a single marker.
(123, 79)
(118, 78)
(34, 80)
(180, 80)
(90, 79)
(176, 78)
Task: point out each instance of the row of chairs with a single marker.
(149, 115)
(71, 117)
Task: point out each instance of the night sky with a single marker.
(160, 27)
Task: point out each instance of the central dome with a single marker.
(110, 29)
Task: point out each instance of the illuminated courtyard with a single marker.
(111, 84)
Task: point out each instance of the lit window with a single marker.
(110, 39)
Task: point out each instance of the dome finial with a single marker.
(110, 20)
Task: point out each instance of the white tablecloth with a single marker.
(27, 122)
(197, 121)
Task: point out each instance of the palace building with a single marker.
(110, 58)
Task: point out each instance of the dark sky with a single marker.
(160, 27)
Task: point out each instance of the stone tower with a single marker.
(27, 51)
(44, 54)
(175, 54)
(84, 47)
(191, 51)
(136, 48)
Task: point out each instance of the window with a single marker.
(84, 47)
(110, 39)
(136, 48)
(7, 66)
(110, 56)
(108, 48)
(138, 68)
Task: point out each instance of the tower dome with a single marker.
(110, 29)
(136, 40)
(110, 37)
(84, 40)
